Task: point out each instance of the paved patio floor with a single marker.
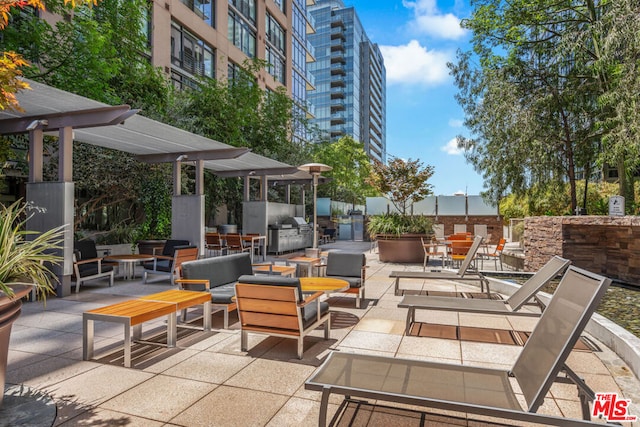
(207, 381)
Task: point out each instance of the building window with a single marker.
(233, 72)
(191, 54)
(246, 7)
(280, 4)
(242, 35)
(182, 82)
(275, 65)
(275, 33)
(203, 8)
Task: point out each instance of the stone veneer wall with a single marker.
(605, 245)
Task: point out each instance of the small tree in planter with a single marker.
(404, 183)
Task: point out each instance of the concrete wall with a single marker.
(605, 245)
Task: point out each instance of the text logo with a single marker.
(612, 408)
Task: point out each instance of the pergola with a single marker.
(71, 117)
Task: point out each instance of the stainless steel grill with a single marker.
(291, 234)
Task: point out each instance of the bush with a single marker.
(399, 224)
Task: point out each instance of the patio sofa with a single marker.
(218, 275)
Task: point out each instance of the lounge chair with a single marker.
(461, 274)
(511, 306)
(477, 390)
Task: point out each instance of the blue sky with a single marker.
(417, 38)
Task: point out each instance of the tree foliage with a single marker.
(404, 182)
(350, 173)
(533, 90)
(11, 63)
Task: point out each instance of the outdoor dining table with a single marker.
(128, 262)
(310, 262)
(323, 284)
(254, 241)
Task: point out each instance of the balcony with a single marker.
(338, 70)
(311, 52)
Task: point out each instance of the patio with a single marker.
(206, 380)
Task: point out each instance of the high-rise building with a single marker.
(350, 78)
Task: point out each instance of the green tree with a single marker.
(404, 182)
(350, 173)
(531, 100)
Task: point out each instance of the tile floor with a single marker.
(206, 380)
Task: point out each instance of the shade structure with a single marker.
(315, 169)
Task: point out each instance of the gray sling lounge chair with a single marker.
(461, 274)
(476, 390)
(511, 306)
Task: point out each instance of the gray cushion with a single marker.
(219, 271)
(309, 313)
(223, 294)
(170, 246)
(345, 264)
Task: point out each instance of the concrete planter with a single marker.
(406, 248)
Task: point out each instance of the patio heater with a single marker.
(315, 169)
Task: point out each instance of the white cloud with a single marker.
(455, 123)
(431, 21)
(451, 147)
(413, 63)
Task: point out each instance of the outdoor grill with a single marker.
(290, 234)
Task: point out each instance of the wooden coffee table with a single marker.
(130, 314)
(185, 299)
(323, 284)
(128, 262)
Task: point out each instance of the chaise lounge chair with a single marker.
(461, 274)
(511, 305)
(477, 390)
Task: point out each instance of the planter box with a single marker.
(403, 249)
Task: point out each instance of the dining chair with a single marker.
(431, 250)
(495, 255)
(214, 243)
(234, 244)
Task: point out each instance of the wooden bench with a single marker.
(133, 313)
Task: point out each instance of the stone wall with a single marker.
(605, 245)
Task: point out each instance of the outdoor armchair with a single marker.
(87, 265)
(276, 306)
(174, 253)
(349, 266)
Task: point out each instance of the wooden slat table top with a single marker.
(323, 284)
(182, 298)
(138, 311)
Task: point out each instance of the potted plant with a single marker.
(24, 259)
(399, 236)
(404, 182)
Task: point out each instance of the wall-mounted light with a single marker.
(34, 124)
